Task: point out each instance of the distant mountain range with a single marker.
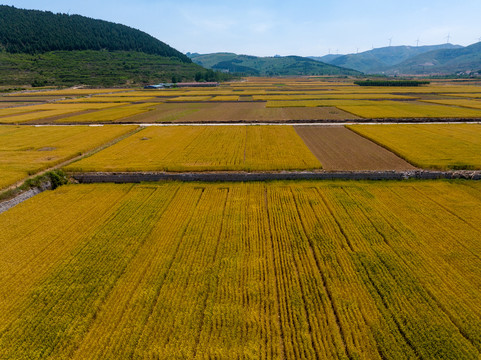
(268, 66)
(444, 59)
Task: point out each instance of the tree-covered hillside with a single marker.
(33, 31)
(268, 66)
(95, 68)
(378, 60)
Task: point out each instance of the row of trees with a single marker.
(391, 83)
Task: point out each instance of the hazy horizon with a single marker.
(268, 28)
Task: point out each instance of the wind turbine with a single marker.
(448, 37)
(390, 42)
(417, 42)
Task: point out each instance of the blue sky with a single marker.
(269, 27)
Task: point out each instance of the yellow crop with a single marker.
(111, 114)
(281, 270)
(316, 103)
(27, 150)
(449, 146)
(225, 98)
(327, 95)
(397, 109)
(475, 104)
(204, 148)
(468, 95)
(191, 98)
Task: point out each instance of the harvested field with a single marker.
(106, 99)
(27, 150)
(280, 270)
(234, 112)
(204, 148)
(5, 104)
(339, 148)
(258, 112)
(68, 92)
(449, 146)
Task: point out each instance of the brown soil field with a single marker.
(257, 111)
(339, 148)
(4, 104)
(236, 112)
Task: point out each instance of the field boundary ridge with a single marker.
(231, 176)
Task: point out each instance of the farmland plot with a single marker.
(447, 146)
(204, 148)
(294, 270)
(27, 150)
(338, 148)
(398, 109)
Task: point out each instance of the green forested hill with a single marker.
(445, 61)
(33, 31)
(96, 68)
(378, 60)
(268, 66)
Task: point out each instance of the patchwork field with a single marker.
(204, 148)
(26, 150)
(253, 100)
(329, 270)
(339, 148)
(451, 146)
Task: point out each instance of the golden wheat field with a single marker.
(204, 148)
(26, 150)
(279, 270)
(446, 146)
